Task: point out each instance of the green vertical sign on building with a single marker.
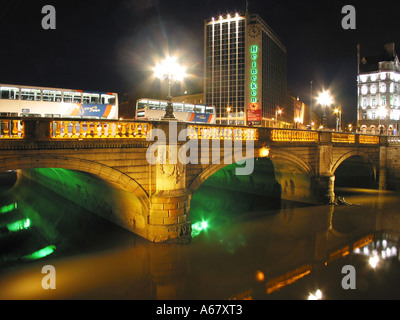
(254, 115)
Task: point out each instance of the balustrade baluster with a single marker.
(6, 129)
(130, 135)
(58, 129)
(117, 130)
(96, 129)
(103, 130)
(81, 132)
(124, 131)
(88, 130)
(74, 136)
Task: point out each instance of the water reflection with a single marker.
(287, 252)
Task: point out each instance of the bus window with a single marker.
(9, 93)
(95, 98)
(189, 108)
(200, 109)
(77, 97)
(141, 105)
(178, 107)
(67, 97)
(107, 99)
(140, 114)
(72, 97)
(163, 105)
(154, 105)
(91, 98)
(33, 115)
(210, 110)
(86, 98)
(30, 94)
(52, 95)
(50, 115)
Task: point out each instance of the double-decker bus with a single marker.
(152, 109)
(30, 101)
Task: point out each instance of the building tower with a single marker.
(245, 70)
(378, 110)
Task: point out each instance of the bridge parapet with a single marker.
(23, 128)
(221, 132)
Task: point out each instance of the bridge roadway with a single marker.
(161, 164)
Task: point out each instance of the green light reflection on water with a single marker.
(198, 227)
(44, 252)
(19, 225)
(8, 208)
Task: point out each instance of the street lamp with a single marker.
(228, 109)
(277, 112)
(169, 70)
(297, 120)
(325, 100)
(382, 112)
(338, 112)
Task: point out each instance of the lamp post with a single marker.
(311, 103)
(382, 112)
(228, 109)
(338, 112)
(277, 112)
(171, 71)
(325, 100)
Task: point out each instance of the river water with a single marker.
(273, 250)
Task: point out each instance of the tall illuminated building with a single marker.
(379, 92)
(245, 69)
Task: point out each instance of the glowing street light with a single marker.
(171, 71)
(382, 112)
(277, 112)
(228, 109)
(338, 112)
(325, 100)
(315, 296)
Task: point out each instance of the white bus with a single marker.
(30, 101)
(152, 109)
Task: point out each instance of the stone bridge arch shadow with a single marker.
(219, 194)
(356, 169)
(99, 188)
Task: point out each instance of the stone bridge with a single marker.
(155, 167)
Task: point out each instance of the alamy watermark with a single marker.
(49, 20)
(49, 280)
(349, 20)
(349, 280)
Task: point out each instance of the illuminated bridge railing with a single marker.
(343, 138)
(364, 139)
(294, 136)
(11, 129)
(394, 139)
(221, 133)
(98, 130)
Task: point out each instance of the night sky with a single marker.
(112, 45)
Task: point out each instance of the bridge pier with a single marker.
(326, 188)
(169, 219)
(382, 178)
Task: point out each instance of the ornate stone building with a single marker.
(378, 110)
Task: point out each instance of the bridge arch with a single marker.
(354, 153)
(106, 173)
(279, 160)
(279, 155)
